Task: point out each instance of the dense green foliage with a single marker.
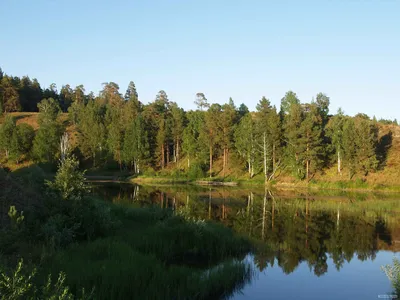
(120, 131)
(113, 252)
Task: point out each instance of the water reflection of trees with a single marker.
(296, 230)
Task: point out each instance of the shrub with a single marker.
(20, 285)
(393, 273)
(195, 171)
(69, 181)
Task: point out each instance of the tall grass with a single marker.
(156, 255)
(117, 271)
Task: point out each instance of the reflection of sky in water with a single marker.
(356, 280)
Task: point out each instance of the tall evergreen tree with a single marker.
(311, 147)
(287, 102)
(212, 134)
(292, 135)
(9, 95)
(110, 94)
(267, 136)
(226, 122)
(349, 146)
(191, 145)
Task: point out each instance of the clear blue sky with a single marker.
(348, 49)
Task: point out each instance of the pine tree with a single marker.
(66, 97)
(201, 101)
(212, 132)
(292, 135)
(227, 120)
(287, 102)
(267, 137)
(9, 95)
(110, 94)
(349, 146)
(133, 106)
(311, 147)
(192, 145)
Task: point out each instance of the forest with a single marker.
(297, 138)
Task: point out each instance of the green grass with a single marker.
(156, 255)
(117, 271)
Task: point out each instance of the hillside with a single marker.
(388, 173)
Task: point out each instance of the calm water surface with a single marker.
(328, 245)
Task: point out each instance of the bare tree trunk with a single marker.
(307, 164)
(273, 159)
(224, 163)
(337, 219)
(249, 162)
(339, 163)
(174, 152)
(211, 161)
(177, 151)
(265, 157)
(167, 154)
(162, 156)
(209, 203)
(264, 215)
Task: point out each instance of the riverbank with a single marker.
(349, 185)
(110, 251)
(147, 253)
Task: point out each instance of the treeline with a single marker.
(301, 138)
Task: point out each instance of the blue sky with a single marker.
(349, 50)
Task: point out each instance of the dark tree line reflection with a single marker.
(294, 230)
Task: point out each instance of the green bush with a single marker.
(195, 171)
(19, 285)
(393, 273)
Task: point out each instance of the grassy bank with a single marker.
(116, 252)
(343, 185)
